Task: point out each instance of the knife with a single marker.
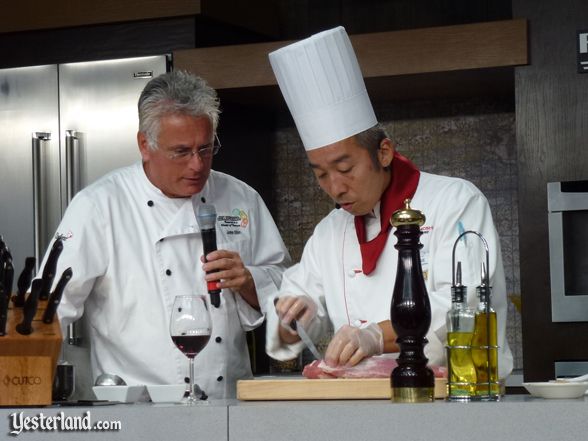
(3, 258)
(3, 310)
(50, 267)
(306, 339)
(2, 251)
(296, 326)
(55, 296)
(6, 254)
(8, 276)
(30, 308)
(24, 280)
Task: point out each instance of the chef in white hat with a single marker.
(347, 271)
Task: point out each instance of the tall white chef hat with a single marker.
(323, 87)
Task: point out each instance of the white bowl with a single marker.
(166, 393)
(124, 394)
(557, 389)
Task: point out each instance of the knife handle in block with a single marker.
(55, 297)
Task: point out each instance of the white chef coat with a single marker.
(133, 249)
(330, 270)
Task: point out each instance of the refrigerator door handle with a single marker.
(72, 164)
(72, 186)
(39, 139)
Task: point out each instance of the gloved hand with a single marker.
(303, 309)
(350, 345)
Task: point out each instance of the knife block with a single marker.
(27, 362)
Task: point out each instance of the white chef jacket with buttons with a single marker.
(133, 249)
(330, 270)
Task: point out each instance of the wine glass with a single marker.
(190, 328)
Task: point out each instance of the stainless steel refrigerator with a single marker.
(62, 127)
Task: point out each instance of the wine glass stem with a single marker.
(191, 397)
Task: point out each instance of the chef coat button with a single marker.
(219, 378)
(203, 199)
(351, 273)
(218, 339)
(150, 203)
(186, 379)
(168, 272)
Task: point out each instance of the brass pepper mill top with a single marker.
(407, 216)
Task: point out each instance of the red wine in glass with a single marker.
(190, 345)
(190, 328)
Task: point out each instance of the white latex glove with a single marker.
(350, 345)
(303, 309)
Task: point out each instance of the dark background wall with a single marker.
(552, 140)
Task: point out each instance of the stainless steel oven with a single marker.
(567, 204)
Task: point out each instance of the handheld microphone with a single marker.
(206, 218)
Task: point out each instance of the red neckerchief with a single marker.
(403, 184)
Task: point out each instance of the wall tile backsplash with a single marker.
(471, 139)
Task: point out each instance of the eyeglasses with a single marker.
(183, 154)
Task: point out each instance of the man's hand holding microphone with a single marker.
(224, 268)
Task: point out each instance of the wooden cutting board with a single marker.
(300, 388)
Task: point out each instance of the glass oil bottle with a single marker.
(484, 343)
(460, 329)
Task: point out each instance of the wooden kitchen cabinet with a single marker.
(448, 57)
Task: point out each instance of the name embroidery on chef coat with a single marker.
(235, 222)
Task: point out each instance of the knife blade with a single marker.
(296, 326)
(24, 280)
(8, 276)
(306, 339)
(55, 296)
(50, 267)
(30, 308)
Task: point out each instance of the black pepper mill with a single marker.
(412, 381)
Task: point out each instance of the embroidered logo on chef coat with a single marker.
(233, 223)
(65, 236)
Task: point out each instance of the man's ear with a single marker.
(143, 146)
(386, 152)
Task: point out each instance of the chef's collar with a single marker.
(375, 211)
(154, 191)
(184, 221)
(372, 222)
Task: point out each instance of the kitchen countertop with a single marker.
(519, 417)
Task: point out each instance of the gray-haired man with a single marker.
(134, 244)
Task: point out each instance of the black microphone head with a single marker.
(205, 216)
